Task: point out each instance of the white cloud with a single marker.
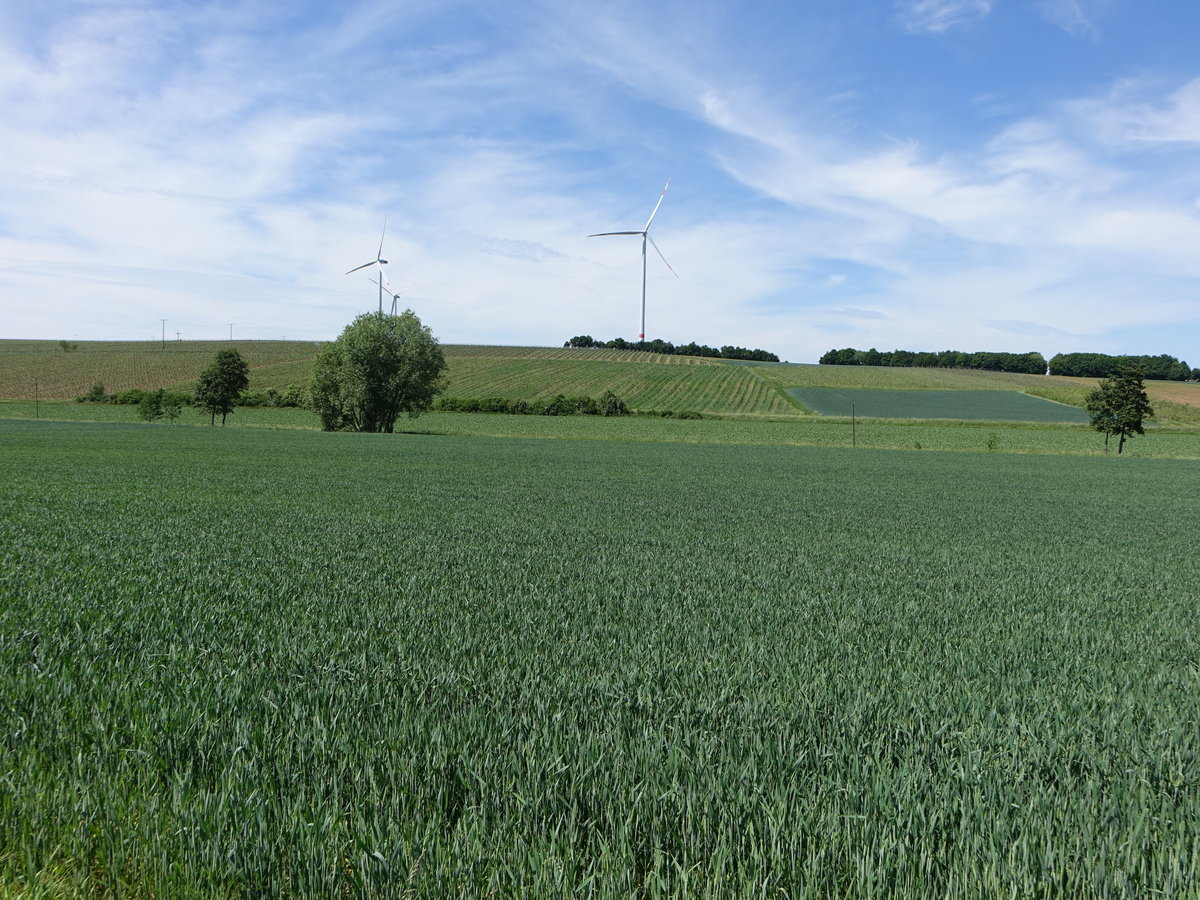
(234, 179)
(1072, 16)
(1134, 112)
(937, 16)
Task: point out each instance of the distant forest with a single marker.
(1100, 365)
(1029, 363)
(1084, 365)
(660, 346)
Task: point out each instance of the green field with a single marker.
(995, 406)
(645, 381)
(815, 431)
(245, 662)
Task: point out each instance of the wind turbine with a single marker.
(645, 233)
(377, 261)
(385, 283)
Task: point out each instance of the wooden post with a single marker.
(853, 426)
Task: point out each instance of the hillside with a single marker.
(644, 381)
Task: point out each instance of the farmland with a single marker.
(646, 382)
(895, 404)
(245, 662)
(811, 431)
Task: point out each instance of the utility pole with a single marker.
(164, 333)
(177, 335)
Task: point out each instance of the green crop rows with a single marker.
(704, 387)
(238, 662)
(996, 406)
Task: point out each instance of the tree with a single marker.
(1118, 406)
(150, 407)
(379, 367)
(172, 405)
(222, 383)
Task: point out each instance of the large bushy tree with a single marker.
(222, 383)
(1119, 405)
(380, 367)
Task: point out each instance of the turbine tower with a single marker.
(384, 283)
(377, 261)
(645, 233)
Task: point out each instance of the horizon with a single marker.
(984, 175)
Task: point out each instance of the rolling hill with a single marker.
(645, 381)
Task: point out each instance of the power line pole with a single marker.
(164, 333)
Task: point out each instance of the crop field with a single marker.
(126, 364)
(645, 381)
(995, 406)
(719, 388)
(241, 662)
(815, 431)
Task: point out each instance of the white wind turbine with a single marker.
(377, 261)
(645, 233)
(386, 286)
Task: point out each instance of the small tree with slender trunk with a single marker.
(222, 383)
(1119, 405)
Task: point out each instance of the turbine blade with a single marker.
(657, 205)
(363, 266)
(379, 255)
(608, 233)
(660, 255)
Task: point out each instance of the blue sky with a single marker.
(927, 174)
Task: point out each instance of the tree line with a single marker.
(666, 347)
(1029, 363)
(1100, 365)
(1084, 365)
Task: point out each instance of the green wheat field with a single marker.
(253, 662)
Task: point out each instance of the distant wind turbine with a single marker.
(377, 261)
(384, 283)
(645, 233)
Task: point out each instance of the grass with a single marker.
(238, 662)
(815, 431)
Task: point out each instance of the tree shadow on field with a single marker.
(421, 431)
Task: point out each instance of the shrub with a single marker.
(256, 399)
(130, 397)
(96, 395)
(559, 405)
(612, 405)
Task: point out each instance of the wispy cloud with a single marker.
(229, 164)
(1069, 15)
(940, 15)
